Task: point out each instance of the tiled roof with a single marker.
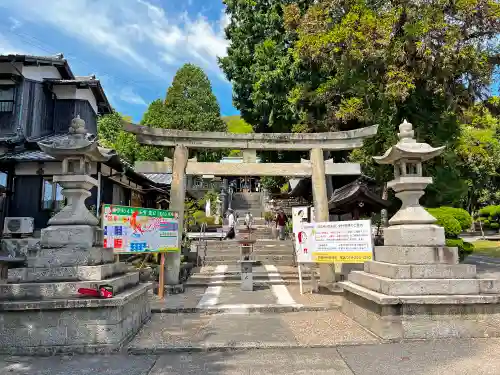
(159, 178)
(78, 79)
(31, 155)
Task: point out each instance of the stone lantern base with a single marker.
(41, 311)
(421, 292)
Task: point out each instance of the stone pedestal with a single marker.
(42, 312)
(415, 288)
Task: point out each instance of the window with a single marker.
(7, 98)
(52, 198)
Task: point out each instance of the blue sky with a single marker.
(133, 46)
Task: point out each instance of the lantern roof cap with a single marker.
(408, 148)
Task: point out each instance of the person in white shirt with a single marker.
(231, 223)
(248, 219)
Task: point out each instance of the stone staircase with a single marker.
(266, 251)
(247, 202)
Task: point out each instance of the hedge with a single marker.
(489, 217)
(451, 225)
(454, 221)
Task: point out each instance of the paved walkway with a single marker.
(443, 357)
(217, 289)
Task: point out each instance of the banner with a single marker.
(335, 242)
(140, 230)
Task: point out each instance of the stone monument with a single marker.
(41, 311)
(415, 288)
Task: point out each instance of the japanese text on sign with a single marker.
(338, 241)
(140, 230)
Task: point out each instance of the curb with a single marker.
(243, 309)
(239, 347)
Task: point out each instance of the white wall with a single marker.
(39, 73)
(48, 168)
(71, 92)
(36, 73)
(86, 94)
(8, 68)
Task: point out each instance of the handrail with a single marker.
(202, 241)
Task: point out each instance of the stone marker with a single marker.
(415, 288)
(41, 311)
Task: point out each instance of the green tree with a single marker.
(111, 135)
(381, 62)
(235, 124)
(190, 103)
(155, 116)
(479, 156)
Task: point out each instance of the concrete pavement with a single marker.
(442, 357)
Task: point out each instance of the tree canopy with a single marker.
(189, 104)
(111, 135)
(328, 65)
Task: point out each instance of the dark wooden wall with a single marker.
(26, 200)
(67, 109)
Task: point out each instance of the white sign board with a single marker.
(335, 242)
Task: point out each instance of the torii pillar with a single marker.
(177, 196)
(320, 198)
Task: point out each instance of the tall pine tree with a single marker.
(190, 104)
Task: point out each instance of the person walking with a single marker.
(280, 224)
(248, 220)
(232, 224)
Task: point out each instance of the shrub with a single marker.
(462, 216)
(451, 225)
(489, 217)
(268, 216)
(464, 248)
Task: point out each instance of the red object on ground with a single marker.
(89, 292)
(104, 291)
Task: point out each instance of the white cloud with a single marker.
(128, 95)
(15, 23)
(136, 32)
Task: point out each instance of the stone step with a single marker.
(237, 282)
(35, 291)
(419, 271)
(75, 273)
(237, 276)
(413, 287)
(255, 253)
(259, 243)
(71, 255)
(266, 259)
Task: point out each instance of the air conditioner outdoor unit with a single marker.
(19, 225)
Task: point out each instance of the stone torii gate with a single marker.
(316, 168)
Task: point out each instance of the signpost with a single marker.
(332, 242)
(132, 230)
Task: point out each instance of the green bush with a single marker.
(451, 225)
(464, 248)
(268, 216)
(462, 216)
(489, 217)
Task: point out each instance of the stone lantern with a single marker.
(77, 150)
(412, 224)
(415, 288)
(72, 257)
